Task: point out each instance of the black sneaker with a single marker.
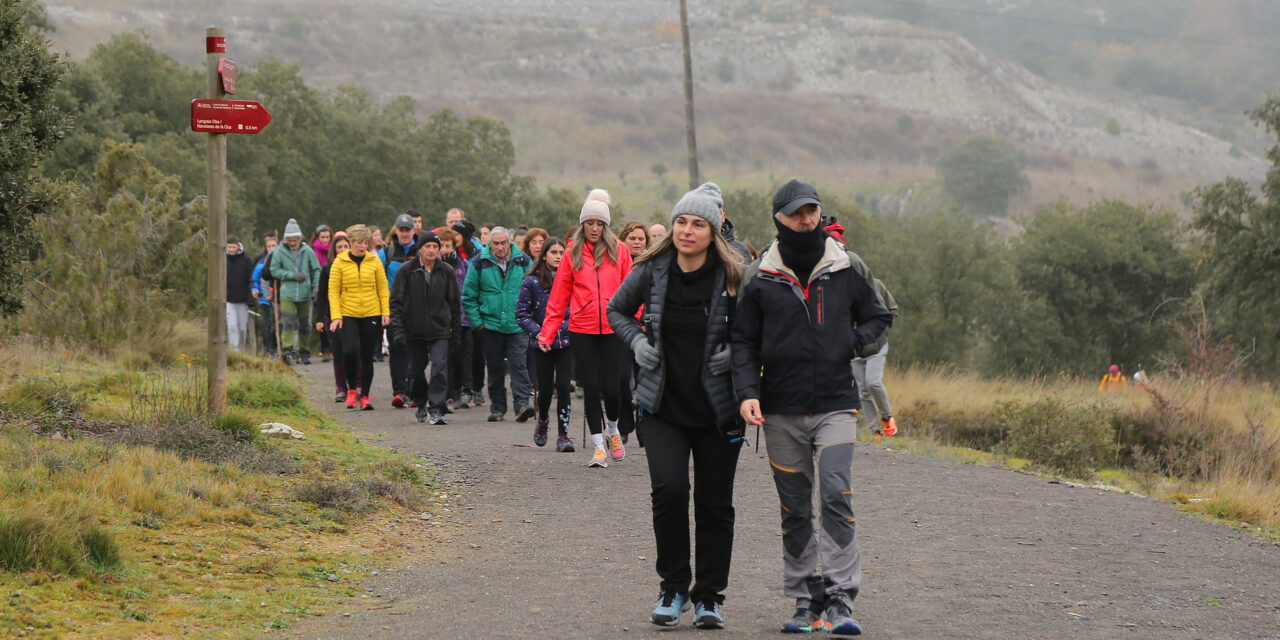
(435, 417)
(494, 416)
(524, 413)
(422, 415)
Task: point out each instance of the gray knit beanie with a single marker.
(292, 230)
(704, 202)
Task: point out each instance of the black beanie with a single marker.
(424, 238)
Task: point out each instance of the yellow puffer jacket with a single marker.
(358, 290)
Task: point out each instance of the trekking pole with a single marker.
(757, 438)
(275, 311)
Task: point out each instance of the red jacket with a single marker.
(586, 292)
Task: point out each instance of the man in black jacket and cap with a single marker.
(791, 374)
(426, 310)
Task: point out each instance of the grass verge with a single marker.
(125, 512)
(1212, 448)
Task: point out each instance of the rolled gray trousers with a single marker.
(804, 449)
(868, 372)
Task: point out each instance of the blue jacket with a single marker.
(393, 256)
(531, 310)
(260, 285)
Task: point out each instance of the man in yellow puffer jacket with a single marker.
(359, 303)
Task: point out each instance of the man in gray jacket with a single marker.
(868, 372)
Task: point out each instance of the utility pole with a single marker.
(690, 134)
(215, 47)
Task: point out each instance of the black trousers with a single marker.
(460, 364)
(598, 360)
(436, 353)
(268, 328)
(477, 360)
(399, 364)
(715, 461)
(555, 377)
(626, 405)
(361, 339)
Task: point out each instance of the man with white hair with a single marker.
(489, 297)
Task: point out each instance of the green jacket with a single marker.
(489, 295)
(284, 264)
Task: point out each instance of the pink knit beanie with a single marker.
(596, 207)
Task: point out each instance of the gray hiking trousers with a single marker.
(868, 372)
(804, 449)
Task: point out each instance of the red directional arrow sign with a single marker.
(228, 116)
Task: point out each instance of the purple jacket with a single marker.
(460, 266)
(531, 310)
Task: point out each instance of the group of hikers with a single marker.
(683, 337)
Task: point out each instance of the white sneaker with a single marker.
(600, 459)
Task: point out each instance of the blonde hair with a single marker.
(359, 233)
(730, 258)
(606, 248)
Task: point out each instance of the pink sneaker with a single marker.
(615, 448)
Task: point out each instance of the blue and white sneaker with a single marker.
(706, 615)
(670, 605)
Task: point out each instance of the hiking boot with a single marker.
(600, 459)
(838, 617)
(564, 444)
(435, 417)
(306, 358)
(353, 397)
(366, 403)
(615, 448)
(477, 399)
(495, 416)
(889, 426)
(540, 433)
(706, 615)
(464, 401)
(804, 620)
(669, 606)
(397, 402)
(524, 413)
(421, 415)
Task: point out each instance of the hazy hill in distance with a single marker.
(592, 89)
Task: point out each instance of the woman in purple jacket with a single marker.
(460, 375)
(555, 367)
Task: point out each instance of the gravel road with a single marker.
(542, 547)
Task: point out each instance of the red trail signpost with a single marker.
(228, 116)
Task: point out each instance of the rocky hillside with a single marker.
(555, 68)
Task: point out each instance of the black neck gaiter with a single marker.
(800, 251)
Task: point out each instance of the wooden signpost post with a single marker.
(218, 116)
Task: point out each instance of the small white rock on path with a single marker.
(547, 548)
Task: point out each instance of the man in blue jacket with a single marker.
(792, 376)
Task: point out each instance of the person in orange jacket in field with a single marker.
(1113, 380)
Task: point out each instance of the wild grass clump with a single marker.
(398, 491)
(198, 437)
(33, 540)
(263, 391)
(241, 427)
(48, 403)
(348, 497)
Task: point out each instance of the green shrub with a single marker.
(1071, 439)
(1113, 126)
(981, 430)
(197, 437)
(241, 427)
(260, 391)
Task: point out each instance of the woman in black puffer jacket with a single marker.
(687, 285)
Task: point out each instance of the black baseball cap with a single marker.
(793, 195)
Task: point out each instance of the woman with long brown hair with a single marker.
(635, 237)
(687, 285)
(585, 282)
(554, 366)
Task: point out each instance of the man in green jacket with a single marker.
(489, 296)
(296, 267)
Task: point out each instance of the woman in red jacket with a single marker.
(595, 266)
